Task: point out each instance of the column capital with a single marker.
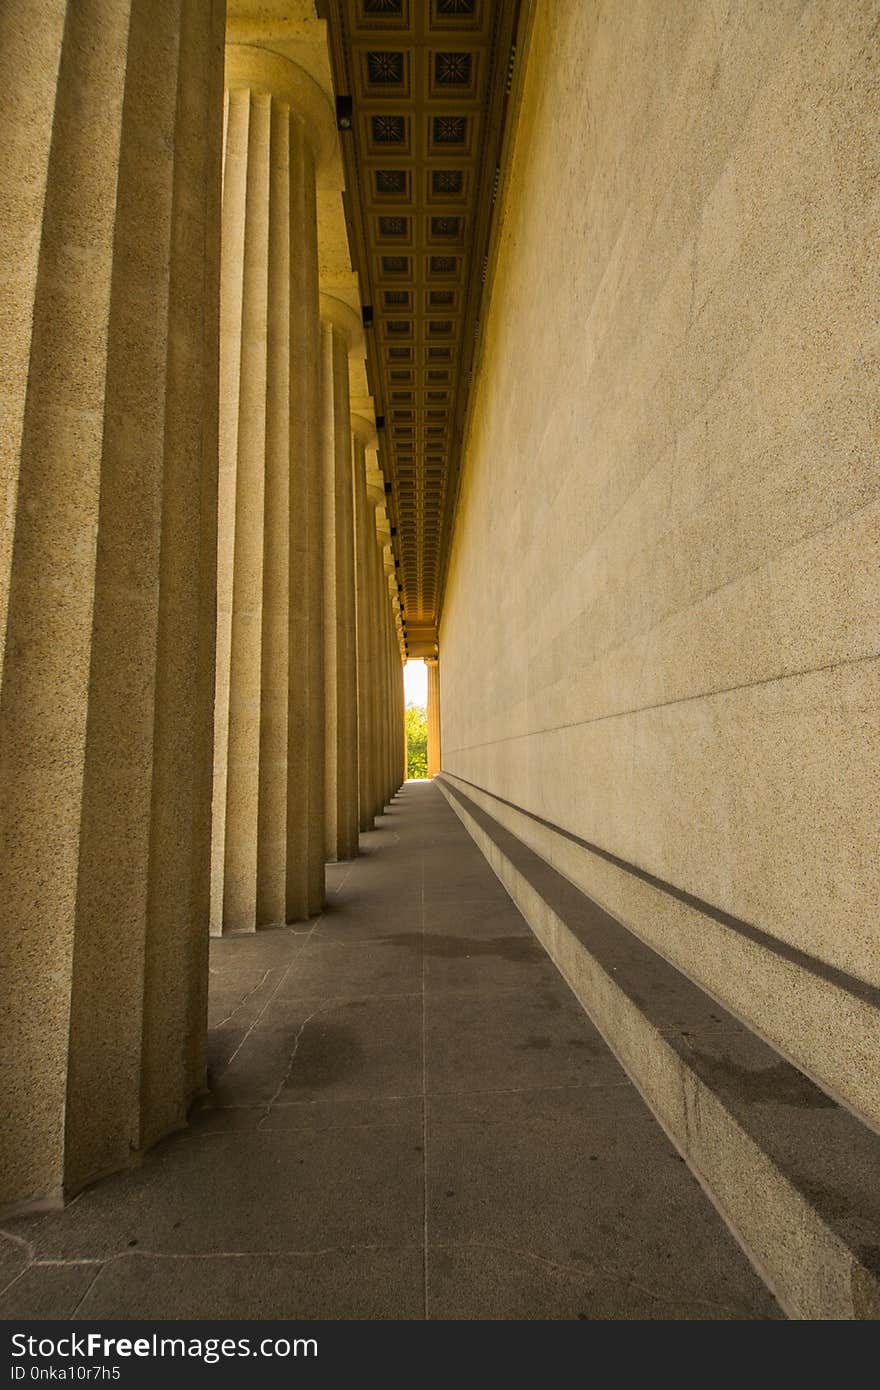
(364, 430)
(260, 70)
(346, 321)
(375, 486)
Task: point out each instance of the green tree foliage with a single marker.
(416, 742)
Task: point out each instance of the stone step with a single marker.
(795, 1175)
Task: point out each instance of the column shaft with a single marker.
(340, 633)
(317, 620)
(434, 760)
(389, 696)
(272, 835)
(364, 531)
(383, 689)
(269, 618)
(29, 62)
(377, 655)
(305, 721)
(243, 367)
(107, 675)
(401, 725)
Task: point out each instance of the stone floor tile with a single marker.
(516, 1038)
(345, 1283)
(332, 967)
(489, 918)
(251, 1192)
(598, 1191)
(460, 962)
(484, 1283)
(359, 1048)
(48, 1291)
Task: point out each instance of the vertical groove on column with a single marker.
(340, 637)
(305, 722)
(106, 1022)
(346, 624)
(205, 648)
(238, 115)
(363, 527)
(371, 615)
(379, 684)
(388, 790)
(176, 959)
(331, 705)
(380, 589)
(51, 587)
(245, 655)
(392, 733)
(383, 686)
(30, 54)
(271, 903)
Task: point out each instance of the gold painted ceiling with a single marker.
(428, 82)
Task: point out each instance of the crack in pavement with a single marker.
(592, 1270)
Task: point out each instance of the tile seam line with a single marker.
(181, 1256)
(850, 984)
(416, 1095)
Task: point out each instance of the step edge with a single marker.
(791, 1271)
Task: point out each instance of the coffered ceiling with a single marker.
(428, 82)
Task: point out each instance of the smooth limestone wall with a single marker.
(660, 624)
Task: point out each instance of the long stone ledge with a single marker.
(797, 1002)
(792, 1171)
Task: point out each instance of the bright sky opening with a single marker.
(415, 684)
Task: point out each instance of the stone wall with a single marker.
(660, 623)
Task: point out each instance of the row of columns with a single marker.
(381, 681)
(341, 331)
(199, 669)
(295, 671)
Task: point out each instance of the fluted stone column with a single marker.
(278, 128)
(434, 760)
(110, 181)
(342, 333)
(394, 668)
(380, 587)
(397, 685)
(387, 692)
(381, 691)
(401, 728)
(364, 437)
(377, 528)
(388, 740)
(386, 582)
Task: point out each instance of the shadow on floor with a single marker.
(410, 1116)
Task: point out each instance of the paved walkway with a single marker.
(411, 1115)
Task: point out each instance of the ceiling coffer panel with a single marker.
(428, 82)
